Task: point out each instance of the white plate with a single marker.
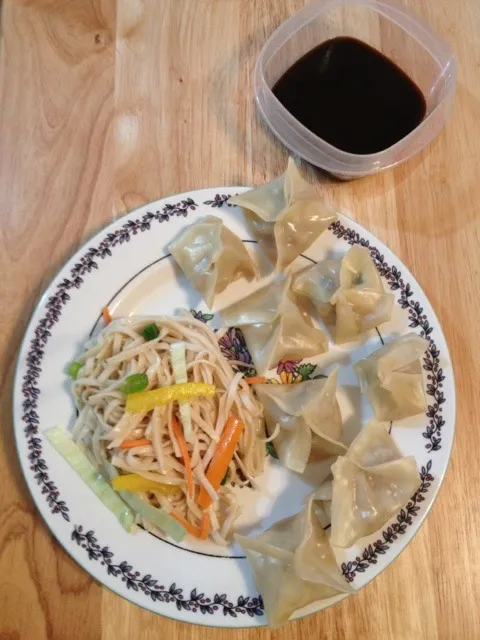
(128, 268)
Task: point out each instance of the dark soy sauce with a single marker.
(352, 96)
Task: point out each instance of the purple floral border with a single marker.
(31, 392)
(157, 592)
(219, 200)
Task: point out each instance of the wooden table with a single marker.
(107, 105)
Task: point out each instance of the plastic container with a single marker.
(391, 29)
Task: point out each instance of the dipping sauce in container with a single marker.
(355, 86)
(352, 96)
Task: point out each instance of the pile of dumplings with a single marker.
(294, 562)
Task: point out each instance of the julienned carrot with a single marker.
(256, 380)
(194, 531)
(130, 444)
(221, 459)
(106, 315)
(177, 430)
(204, 526)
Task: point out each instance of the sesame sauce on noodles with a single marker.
(119, 351)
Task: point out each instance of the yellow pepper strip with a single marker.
(147, 400)
(134, 482)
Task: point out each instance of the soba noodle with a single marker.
(120, 351)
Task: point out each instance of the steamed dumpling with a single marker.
(285, 215)
(371, 483)
(392, 378)
(274, 327)
(293, 566)
(347, 293)
(318, 283)
(211, 256)
(309, 418)
(322, 502)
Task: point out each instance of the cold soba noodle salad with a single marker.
(168, 421)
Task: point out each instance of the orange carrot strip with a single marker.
(106, 315)
(221, 458)
(205, 526)
(177, 430)
(194, 531)
(256, 380)
(130, 444)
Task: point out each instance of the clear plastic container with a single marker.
(391, 29)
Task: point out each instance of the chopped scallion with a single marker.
(150, 332)
(73, 369)
(270, 450)
(134, 383)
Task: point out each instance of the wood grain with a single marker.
(105, 105)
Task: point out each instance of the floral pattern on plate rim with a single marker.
(158, 592)
(38, 466)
